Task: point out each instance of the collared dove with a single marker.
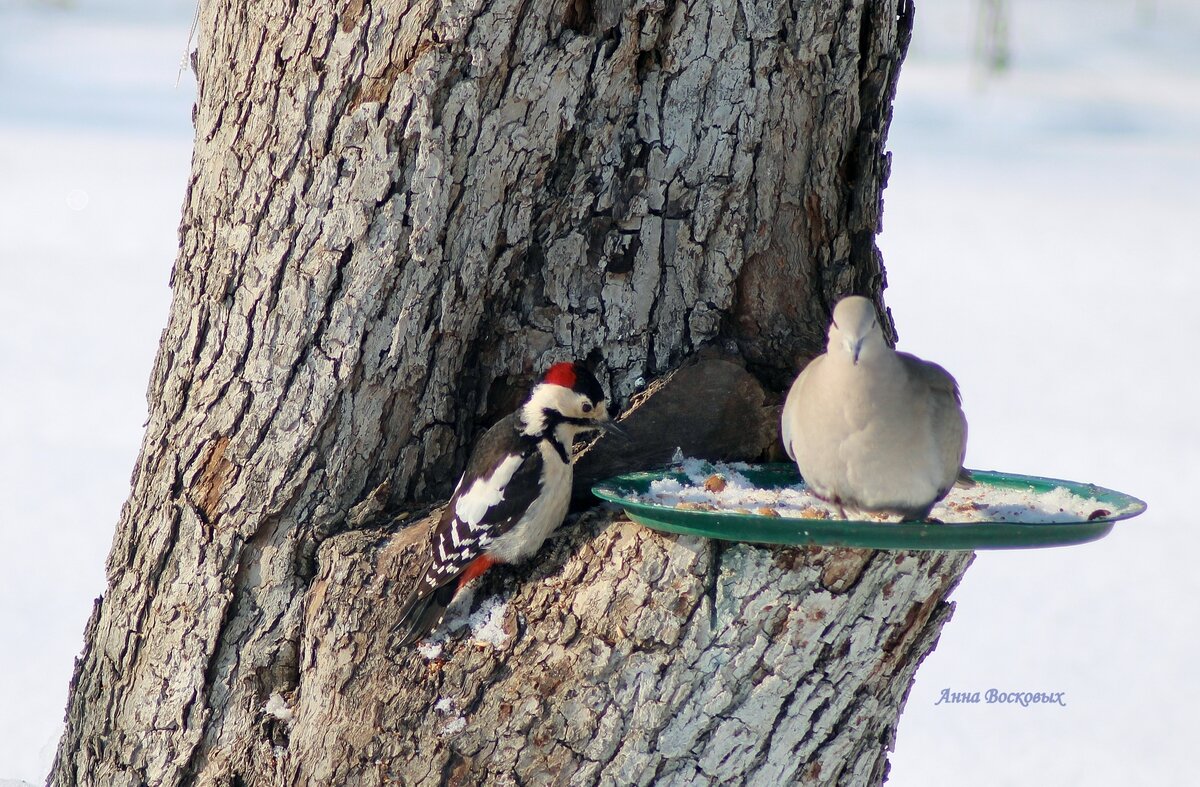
(871, 428)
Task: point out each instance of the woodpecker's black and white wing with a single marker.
(502, 480)
(485, 506)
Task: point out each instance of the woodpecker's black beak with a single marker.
(611, 427)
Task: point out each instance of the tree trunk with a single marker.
(398, 214)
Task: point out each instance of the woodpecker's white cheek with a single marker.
(486, 492)
(547, 396)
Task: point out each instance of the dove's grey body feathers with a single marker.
(871, 428)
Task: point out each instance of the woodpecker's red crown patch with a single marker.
(561, 374)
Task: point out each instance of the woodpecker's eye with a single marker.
(587, 407)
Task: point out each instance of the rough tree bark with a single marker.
(398, 213)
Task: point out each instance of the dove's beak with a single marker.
(854, 347)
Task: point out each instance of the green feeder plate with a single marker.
(730, 526)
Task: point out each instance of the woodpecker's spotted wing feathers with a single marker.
(484, 508)
(502, 480)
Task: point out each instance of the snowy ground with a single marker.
(95, 142)
(1039, 243)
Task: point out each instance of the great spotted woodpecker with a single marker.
(513, 494)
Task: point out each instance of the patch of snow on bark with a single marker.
(454, 726)
(484, 625)
(430, 648)
(487, 622)
(277, 706)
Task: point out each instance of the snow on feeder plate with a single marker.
(769, 504)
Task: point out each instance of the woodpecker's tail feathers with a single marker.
(965, 480)
(428, 605)
(422, 613)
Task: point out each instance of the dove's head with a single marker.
(855, 330)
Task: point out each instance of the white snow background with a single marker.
(1040, 234)
(95, 142)
(1040, 243)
